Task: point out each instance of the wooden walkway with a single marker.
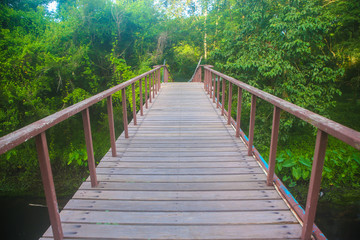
(181, 174)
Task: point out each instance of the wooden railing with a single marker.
(324, 127)
(37, 130)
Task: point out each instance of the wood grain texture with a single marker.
(181, 174)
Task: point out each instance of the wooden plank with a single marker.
(178, 164)
(222, 186)
(105, 231)
(176, 206)
(176, 195)
(178, 159)
(178, 171)
(179, 218)
(181, 178)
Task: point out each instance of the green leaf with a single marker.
(305, 162)
(289, 163)
(296, 172)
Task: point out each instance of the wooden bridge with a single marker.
(182, 169)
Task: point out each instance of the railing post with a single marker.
(200, 71)
(123, 93)
(273, 145)
(205, 80)
(314, 186)
(214, 93)
(159, 80)
(210, 84)
(146, 93)
(141, 97)
(252, 124)
(223, 97)
(111, 125)
(238, 113)
(153, 84)
(149, 77)
(218, 91)
(166, 76)
(134, 102)
(89, 146)
(229, 103)
(48, 182)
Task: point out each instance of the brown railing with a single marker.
(37, 129)
(324, 127)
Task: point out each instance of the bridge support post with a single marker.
(314, 186)
(153, 84)
(146, 92)
(223, 97)
(252, 124)
(141, 97)
(111, 125)
(166, 75)
(213, 76)
(273, 145)
(134, 102)
(238, 113)
(89, 146)
(49, 188)
(229, 103)
(123, 94)
(218, 91)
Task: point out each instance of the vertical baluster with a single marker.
(49, 188)
(149, 77)
(200, 70)
(252, 124)
(214, 93)
(223, 97)
(205, 80)
(159, 79)
(134, 102)
(146, 93)
(153, 84)
(111, 125)
(238, 113)
(141, 97)
(229, 103)
(89, 146)
(218, 91)
(314, 186)
(208, 81)
(123, 93)
(273, 145)
(210, 84)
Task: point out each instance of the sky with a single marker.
(52, 6)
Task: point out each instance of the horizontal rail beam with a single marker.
(335, 129)
(15, 138)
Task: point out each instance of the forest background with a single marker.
(306, 52)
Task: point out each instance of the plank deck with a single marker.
(181, 174)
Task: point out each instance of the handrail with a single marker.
(37, 129)
(335, 129)
(324, 125)
(17, 137)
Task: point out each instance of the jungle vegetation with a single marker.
(306, 52)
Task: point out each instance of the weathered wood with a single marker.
(178, 218)
(177, 164)
(176, 206)
(177, 195)
(219, 186)
(180, 174)
(178, 171)
(112, 231)
(181, 178)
